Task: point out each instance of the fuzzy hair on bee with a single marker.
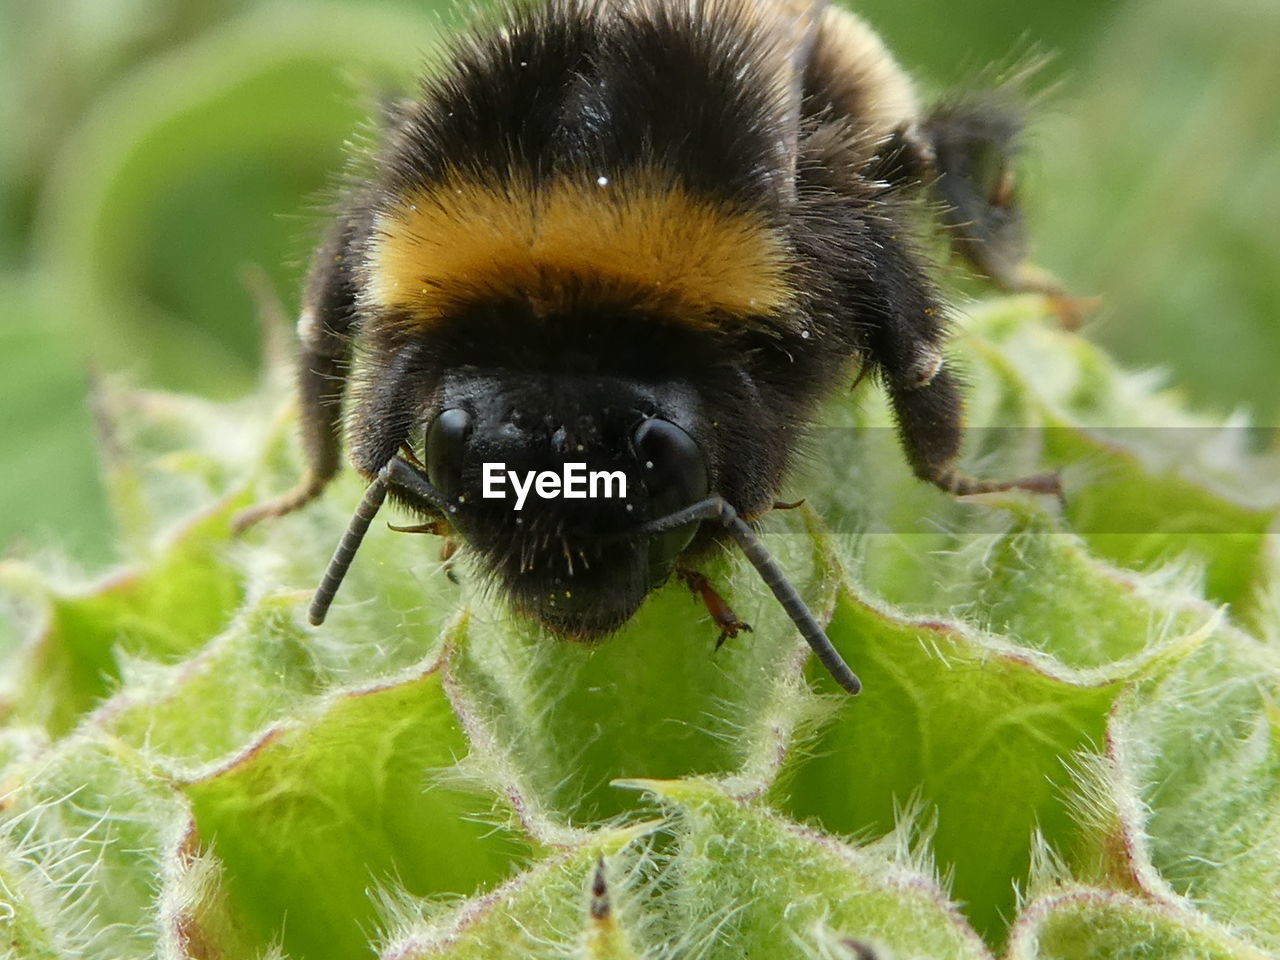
(648, 237)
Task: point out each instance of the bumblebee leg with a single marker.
(974, 143)
(722, 614)
(1026, 277)
(908, 327)
(324, 332)
(930, 425)
(320, 386)
(719, 510)
(448, 550)
(437, 528)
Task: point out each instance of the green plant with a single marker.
(1067, 747)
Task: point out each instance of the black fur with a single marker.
(577, 87)
(975, 138)
(587, 89)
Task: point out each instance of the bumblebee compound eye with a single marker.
(446, 449)
(674, 473)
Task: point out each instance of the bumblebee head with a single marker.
(549, 479)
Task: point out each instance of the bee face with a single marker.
(549, 479)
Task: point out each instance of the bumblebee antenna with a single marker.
(346, 550)
(720, 510)
(398, 473)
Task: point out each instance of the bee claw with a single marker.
(722, 614)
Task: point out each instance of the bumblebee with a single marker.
(647, 237)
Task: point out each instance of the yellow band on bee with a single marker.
(637, 239)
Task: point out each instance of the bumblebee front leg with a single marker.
(906, 345)
(436, 528)
(722, 614)
(320, 388)
(930, 424)
(324, 334)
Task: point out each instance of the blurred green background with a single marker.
(152, 149)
